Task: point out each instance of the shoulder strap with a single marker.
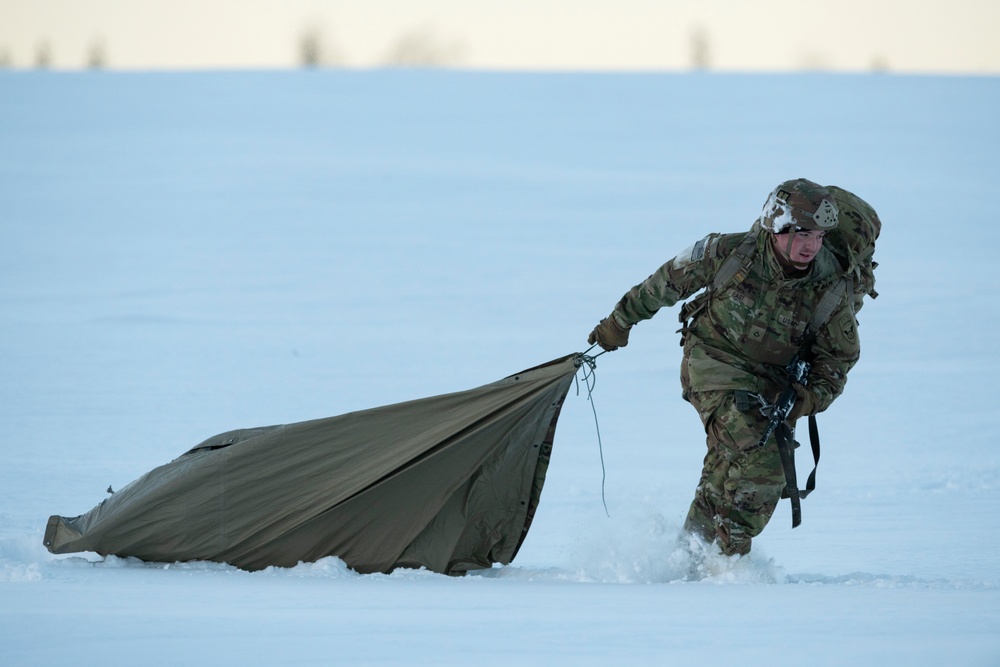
(735, 264)
(827, 304)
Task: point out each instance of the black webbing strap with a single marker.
(786, 450)
(814, 445)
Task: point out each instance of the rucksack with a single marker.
(853, 242)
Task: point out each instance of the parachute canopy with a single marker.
(449, 483)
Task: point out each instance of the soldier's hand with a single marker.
(805, 403)
(609, 334)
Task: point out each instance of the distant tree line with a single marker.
(42, 58)
(420, 47)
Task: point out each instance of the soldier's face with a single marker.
(801, 247)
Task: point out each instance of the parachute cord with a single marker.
(589, 366)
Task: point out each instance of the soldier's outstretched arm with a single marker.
(675, 280)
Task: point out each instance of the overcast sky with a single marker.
(933, 36)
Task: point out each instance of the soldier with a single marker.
(739, 335)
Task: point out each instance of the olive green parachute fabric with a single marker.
(449, 483)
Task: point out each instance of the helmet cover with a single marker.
(798, 205)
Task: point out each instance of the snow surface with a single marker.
(183, 254)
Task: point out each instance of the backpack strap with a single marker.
(827, 304)
(736, 265)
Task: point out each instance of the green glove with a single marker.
(805, 403)
(609, 334)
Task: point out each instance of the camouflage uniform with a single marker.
(741, 341)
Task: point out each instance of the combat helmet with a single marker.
(799, 204)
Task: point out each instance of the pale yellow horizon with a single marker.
(919, 36)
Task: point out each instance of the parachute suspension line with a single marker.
(589, 366)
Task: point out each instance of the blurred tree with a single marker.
(880, 63)
(97, 57)
(316, 51)
(5, 58)
(700, 50)
(309, 48)
(43, 55)
(422, 47)
(813, 61)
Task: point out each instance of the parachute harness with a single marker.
(588, 364)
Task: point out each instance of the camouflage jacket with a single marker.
(748, 330)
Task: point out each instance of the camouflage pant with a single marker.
(740, 483)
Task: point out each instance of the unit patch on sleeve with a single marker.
(847, 326)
